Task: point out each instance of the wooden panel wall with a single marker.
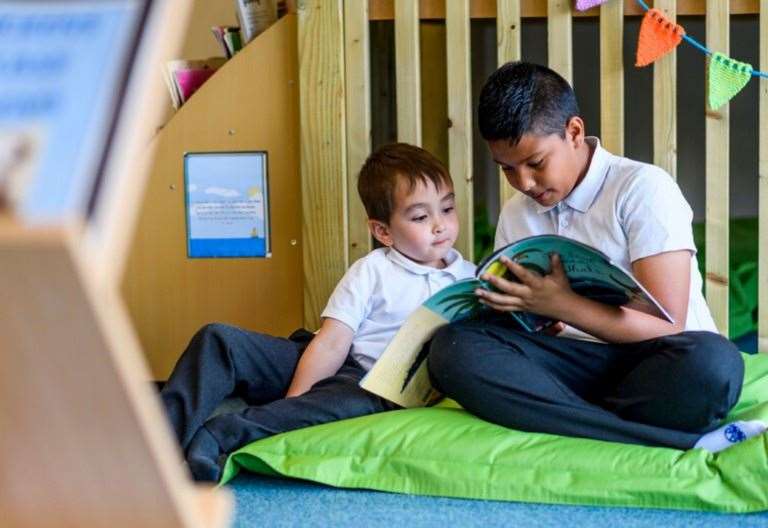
(358, 119)
(612, 77)
(508, 31)
(171, 296)
(460, 118)
(665, 102)
(717, 178)
(408, 71)
(560, 37)
(323, 152)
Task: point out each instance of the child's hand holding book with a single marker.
(528, 291)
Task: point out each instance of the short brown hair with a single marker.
(378, 178)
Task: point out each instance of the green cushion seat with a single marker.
(445, 451)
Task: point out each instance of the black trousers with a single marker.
(223, 361)
(661, 392)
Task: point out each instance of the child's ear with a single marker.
(574, 131)
(380, 232)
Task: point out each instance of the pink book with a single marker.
(192, 79)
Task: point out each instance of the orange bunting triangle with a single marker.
(658, 36)
(726, 78)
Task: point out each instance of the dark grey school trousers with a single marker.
(661, 392)
(223, 361)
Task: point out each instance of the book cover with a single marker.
(228, 38)
(400, 375)
(590, 274)
(218, 33)
(233, 40)
(187, 76)
(255, 16)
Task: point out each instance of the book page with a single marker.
(400, 375)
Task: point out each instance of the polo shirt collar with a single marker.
(584, 194)
(453, 260)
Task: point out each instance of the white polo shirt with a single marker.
(380, 291)
(626, 209)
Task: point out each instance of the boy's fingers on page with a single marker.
(500, 301)
(506, 286)
(521, 272)
(557, 264)
(555, 329)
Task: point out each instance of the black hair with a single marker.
(520, 98)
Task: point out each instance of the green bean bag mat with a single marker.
(445, 451)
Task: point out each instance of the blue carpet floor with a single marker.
(265, 501)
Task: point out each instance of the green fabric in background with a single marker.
(446, 451)
(743, 273)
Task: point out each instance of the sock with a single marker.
(730, 434)
(203, 457)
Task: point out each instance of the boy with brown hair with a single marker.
(311, 379)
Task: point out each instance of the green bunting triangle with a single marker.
(726, 78)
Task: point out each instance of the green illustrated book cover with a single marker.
(400, 374)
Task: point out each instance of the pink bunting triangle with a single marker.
(583, 5)
(658, 36)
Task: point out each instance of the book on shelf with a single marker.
(255, 16)
(185, 77)
(400, 374)
(228, 38)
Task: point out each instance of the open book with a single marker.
(400, 374)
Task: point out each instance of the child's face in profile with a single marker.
(546, 168)
(424, 224)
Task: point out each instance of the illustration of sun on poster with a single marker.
(227, 204)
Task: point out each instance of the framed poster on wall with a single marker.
(227, 204)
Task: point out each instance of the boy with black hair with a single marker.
(611, 373)
(313, 379)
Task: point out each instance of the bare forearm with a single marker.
(613, 324)
(317, 363)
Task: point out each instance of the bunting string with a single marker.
(658, 35)
(693, 42)
(583, 5)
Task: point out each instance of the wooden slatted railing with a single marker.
(458, 49)
(612, 77)
(408, 71)
(358, 119)
(323, 152)
(508, 33)
(338, 222)
(717, 178)
(665, 102)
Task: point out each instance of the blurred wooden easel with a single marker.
(83, 440)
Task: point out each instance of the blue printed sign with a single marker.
(62, 69)
(227, 204)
